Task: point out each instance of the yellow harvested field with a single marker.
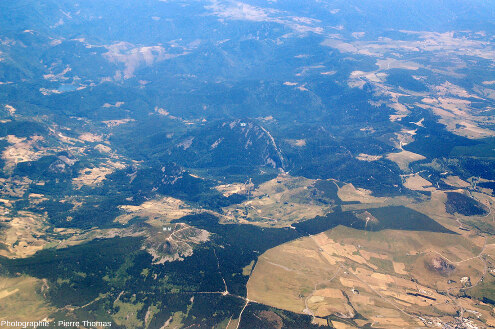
(23, 235)
(350, 193)
(103, 148)
(459, 117)
(5, 293)
(399, 268)
(341, 325)
(22, 150)
(448, 88)
(392, 63)
(117, 104)
(446, 100)
(21, 299)
(114, 123)
(417, 183)
(367, 157)
(455, 181)
(404, 158)
(434, 207)
(14, 187)
(400, 109)
(329, 292)
(426, 41)
(161, 111)
(296, 142)
(96, 175)
(234, 188)
(89, 137)
(10, 109)
(159, 211)
(343, 271)
(391, 322)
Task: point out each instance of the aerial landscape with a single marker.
(247, 164)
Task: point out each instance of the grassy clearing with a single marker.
(127, 314)
(279, 203)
